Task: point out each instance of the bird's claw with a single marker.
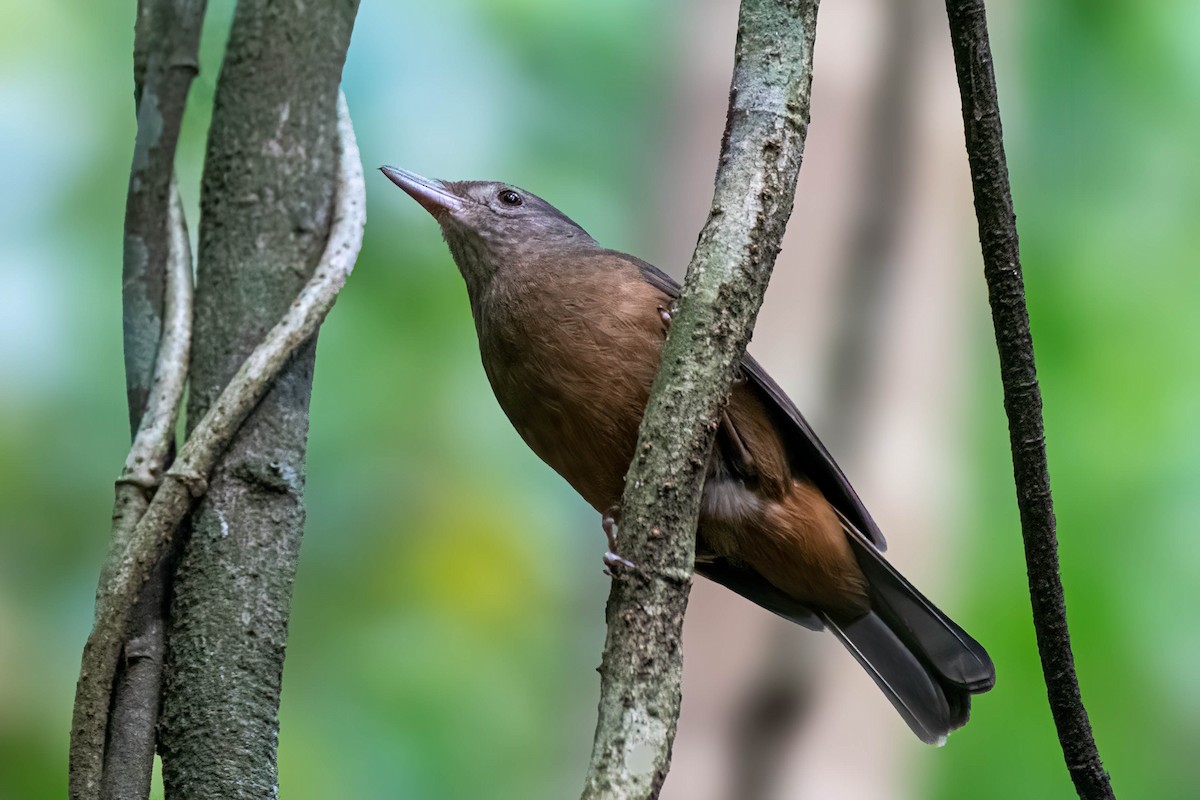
(614, 564)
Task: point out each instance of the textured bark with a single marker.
(166, 45)
(112, 738)
(135, 552)
(266, 209)
(133, 718)
(755, 186)
(116, 699)
(166, 41)
(1022, 397)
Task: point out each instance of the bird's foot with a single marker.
(614, 564)
(664, 314)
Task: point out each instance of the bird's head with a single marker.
(490, 226)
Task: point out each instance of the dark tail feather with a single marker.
(926, 664)
(921, 700)
(947, 649)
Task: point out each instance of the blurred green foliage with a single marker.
(450, 604)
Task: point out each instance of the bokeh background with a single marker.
(449, 608)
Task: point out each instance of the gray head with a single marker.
(490, 225)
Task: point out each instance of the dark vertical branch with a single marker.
(266, 206)
(1022, 397)
(143, 531)
(778, 696)
(755, 186)
(165, 46)
(166, 42)
(133, 716)
(166, 59)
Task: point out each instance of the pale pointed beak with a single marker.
(432, 194)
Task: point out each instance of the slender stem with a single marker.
(755, 185)
(156, 339)
(166, 43)
(129, 565)
(1022, 397)
(129, 751)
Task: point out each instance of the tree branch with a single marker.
(130, 562)
(755, 186)
(1022, 397)
(166, 42)
(267, 203)
(129, 751)
(156, 259)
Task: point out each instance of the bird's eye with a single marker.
(510, 198)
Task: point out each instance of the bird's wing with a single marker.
(805, 451)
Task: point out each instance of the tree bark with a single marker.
(1022, 397)
(112, 733)
(166, 59)
(266, 209)
(131, 739)
(166, 42)
(755, 186)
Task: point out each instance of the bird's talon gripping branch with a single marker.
(614, 564)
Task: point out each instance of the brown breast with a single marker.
(571, 348)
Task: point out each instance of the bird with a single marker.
(570, 336)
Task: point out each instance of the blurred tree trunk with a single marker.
(266, 208)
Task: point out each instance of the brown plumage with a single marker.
(570, 335)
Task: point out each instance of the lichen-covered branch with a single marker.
(267, 207)
(755, 186)
(156, 256)
(130, 742)
(129, 564)
(139, 477)
(1022, 397)
(166, 42)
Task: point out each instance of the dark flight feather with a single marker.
(808, 456)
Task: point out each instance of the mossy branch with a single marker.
(755, 186)
(156, 295)
(135, 553)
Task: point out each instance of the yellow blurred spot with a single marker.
(472, 562)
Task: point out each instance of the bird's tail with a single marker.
(922, 660)
(925, 663)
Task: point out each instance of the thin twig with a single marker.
(128, 754)
(156, 434)
(166, 41)
(188, 477)
(755, 186)
(1022, 397)
(165, 60)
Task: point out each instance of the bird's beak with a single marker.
(433, 195)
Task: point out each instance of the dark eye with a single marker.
(510, 198)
